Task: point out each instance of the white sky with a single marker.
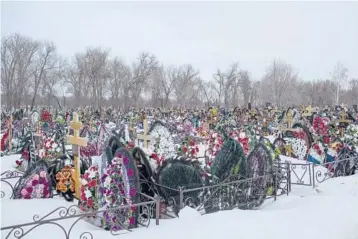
(311, 36)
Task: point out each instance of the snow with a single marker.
(329, 211)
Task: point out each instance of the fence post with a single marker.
(288, 174)
(181, 198)
(275, 195)
(157, 210)
(313, 179)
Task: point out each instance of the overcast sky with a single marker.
(311, 36)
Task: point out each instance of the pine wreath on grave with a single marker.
(260, 168)
(178, 172)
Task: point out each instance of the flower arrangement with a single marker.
(37, 186)
(316, 153)
(351, 135)
(65, 179)
(320, 125)
(189, 148)
(299, 147)
(45, 116)
(89, 150)
(89, 189)
(300, 134)
(214, 143)
(247, 139)
(164, 146)
(244, 141)
(24, 157)
(117, 191)
(51, 149)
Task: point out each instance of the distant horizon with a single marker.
(310, 36)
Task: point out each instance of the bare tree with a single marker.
(119, 72)
(142, 69)
(17, 62)
(339, 76)
(46, 60)
(245, 86)
(53, 79)
(96, 63)
(277, 82)
(184, 83)
(165, 79)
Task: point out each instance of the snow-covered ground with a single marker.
(330, 211)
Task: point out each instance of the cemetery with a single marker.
(122, 171)
(179, 120)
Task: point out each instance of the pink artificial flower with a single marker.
(132, 220)
(130, 172)
(35, 177)
(43, 174)
(23, 192)
(132, 192)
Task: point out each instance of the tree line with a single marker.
(33, 73)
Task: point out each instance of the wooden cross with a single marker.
(145, 137)
(289, 120)
(76, 142)
(308, 111)
(342, 122)
(38, 136)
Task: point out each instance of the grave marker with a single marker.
(76, 142)
(145, 137)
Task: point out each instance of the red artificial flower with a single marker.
(90, 202)
(185, 149)
(326, 140)
(92, 183)
(192, 151)
(83, 196)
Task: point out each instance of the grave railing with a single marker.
(345, 166)
(235, 192)
(73, 212)
(311, 174)
(10, 178)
